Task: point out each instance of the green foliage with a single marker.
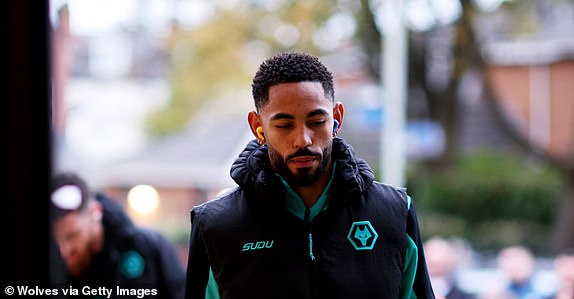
(220, 56)
(204, 60)
(492, 199)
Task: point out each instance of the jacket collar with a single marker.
(252, 172)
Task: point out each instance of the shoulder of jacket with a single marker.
(393, 193)
(150, 241)
(153, 235)
(221, 205)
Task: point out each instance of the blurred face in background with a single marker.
(564, 266)
(440, 257)
(517, 263)
(79, 236)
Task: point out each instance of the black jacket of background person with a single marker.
(133, 259)
(246, 244)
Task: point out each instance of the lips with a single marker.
(303, 161)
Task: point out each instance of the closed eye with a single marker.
(318, 123)
(283, 126)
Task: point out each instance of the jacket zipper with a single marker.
(307, 217)
(312, 261)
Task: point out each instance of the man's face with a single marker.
(75, 235)
(298, 128)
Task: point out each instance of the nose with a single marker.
(303, 137)
(65, 248)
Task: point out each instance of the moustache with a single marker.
(303, 152)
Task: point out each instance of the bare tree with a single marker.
(443, 103)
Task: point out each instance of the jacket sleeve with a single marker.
(171, 268)
(416, 281)
(197, 262)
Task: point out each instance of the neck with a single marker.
(310, 194)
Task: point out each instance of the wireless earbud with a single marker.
(259, 132)
(335, 125)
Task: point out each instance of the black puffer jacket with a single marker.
(355, 247)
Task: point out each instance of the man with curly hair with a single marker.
(308, 219)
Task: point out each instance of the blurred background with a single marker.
(150, 98)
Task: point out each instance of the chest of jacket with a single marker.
(354, 249)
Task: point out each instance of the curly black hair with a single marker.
(289, 67)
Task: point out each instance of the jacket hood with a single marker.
(351, 174)
(251, 170)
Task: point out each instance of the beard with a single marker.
(302, 177)
(78, 267)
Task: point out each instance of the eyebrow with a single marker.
(313, 113)
(282, 116)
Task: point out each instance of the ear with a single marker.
(254, 120)
(339, 113)
(96, 211)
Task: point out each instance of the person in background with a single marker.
(101, 247)
(517, 264)
(564, 269)
(308, 219)
(442, 260)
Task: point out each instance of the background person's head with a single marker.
(440, 256)
(564, 267)
(295, 115)
(76, 221)
(517, 263)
